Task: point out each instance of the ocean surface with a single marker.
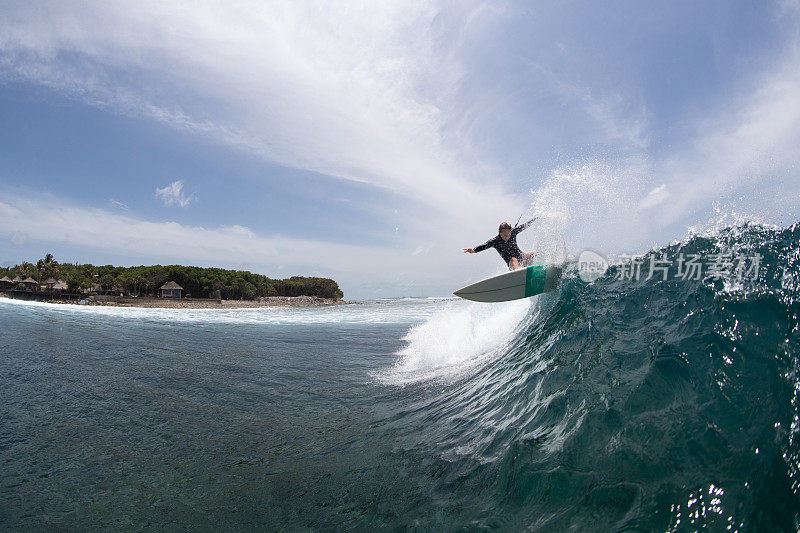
(624, 404)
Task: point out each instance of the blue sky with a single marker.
(372, 143)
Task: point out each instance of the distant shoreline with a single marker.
(193, 303)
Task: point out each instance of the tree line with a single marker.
(197, 282)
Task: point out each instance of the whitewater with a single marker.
(622, 404)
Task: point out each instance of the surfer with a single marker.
(506, 245)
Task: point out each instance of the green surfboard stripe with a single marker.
(535, 276)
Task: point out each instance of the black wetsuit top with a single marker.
(506, 249)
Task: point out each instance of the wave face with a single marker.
(629, 404)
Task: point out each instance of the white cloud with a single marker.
(654, 197)
(626, 128)
(173, 194)
(18, 238)
(363, 93)
(116, 233)
(332, 88)
(118, 204)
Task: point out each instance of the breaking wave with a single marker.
(642, 404)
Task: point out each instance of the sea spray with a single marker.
(585, 205)
(456, 338)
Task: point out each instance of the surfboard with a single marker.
(513, 285)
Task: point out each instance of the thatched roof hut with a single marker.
(171, 290)
(94, 288)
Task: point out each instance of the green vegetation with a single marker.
(197, 282)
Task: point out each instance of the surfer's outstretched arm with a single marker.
(523, 226)
(482, 247)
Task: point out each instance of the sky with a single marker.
(371, 142)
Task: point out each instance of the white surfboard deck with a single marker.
(513, 285)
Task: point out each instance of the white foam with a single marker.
(385, 312)
(455, 339)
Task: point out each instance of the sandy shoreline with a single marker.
(199, 303)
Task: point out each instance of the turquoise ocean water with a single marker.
(620, 405)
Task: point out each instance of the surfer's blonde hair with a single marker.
(504, 225)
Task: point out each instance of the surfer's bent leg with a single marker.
(513, 263)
